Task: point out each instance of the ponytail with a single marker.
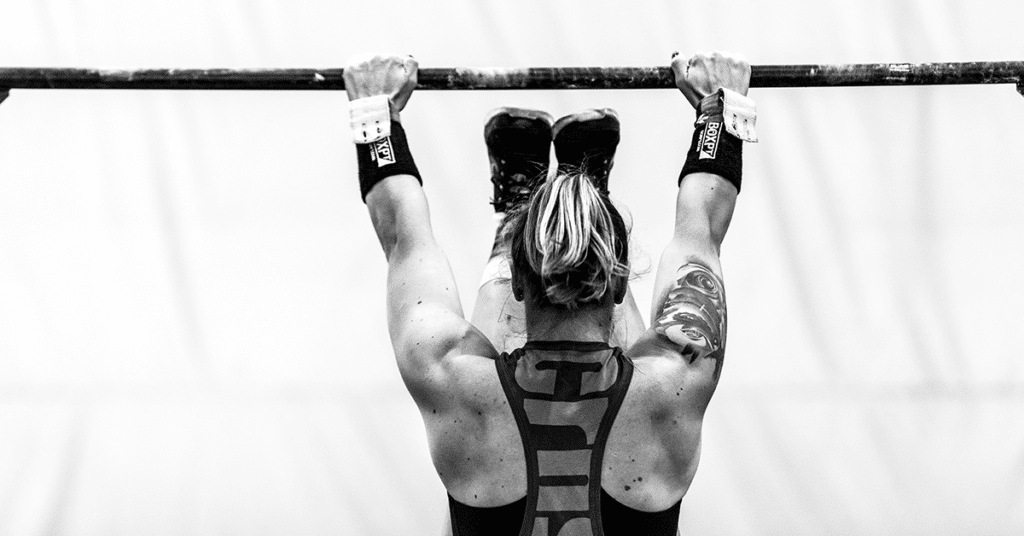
(570, 242)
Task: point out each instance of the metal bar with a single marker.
(877, 74)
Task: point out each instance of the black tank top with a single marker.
(565, 396)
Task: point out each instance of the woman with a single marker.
(592, 426)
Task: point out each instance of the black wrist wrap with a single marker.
(383, 158)
(713, 150)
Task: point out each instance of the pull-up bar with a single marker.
(873, 74)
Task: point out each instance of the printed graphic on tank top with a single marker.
(564, 396)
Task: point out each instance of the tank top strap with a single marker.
(565, 396)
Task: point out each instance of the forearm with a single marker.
(704, 207)
(399, 213)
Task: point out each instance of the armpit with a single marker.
(693, 316)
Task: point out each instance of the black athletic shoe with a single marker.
(586, 142)
(519, 147)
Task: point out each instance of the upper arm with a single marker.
(425, 318)
(431, 345)
(689, 310)
(693, 315)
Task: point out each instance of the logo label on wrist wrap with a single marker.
(382, 152)
(708, 141)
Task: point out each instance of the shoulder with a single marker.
(471, 432)
(441, 356)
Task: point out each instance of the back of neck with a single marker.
(589, 323)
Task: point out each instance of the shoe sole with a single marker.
(522, 113)
(581, 117)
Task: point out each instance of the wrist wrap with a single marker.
(371, 118)
(714, 149)
(383, 158)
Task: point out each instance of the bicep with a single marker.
(691, 312)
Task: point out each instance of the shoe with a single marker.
(519, 147)
(585, 142)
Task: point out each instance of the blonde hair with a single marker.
(570, 242)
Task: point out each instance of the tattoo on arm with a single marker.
(693, 316)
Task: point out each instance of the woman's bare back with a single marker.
(650, 455)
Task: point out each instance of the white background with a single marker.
(192, 335)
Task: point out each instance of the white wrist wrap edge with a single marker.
(371, 119)
(740, 115)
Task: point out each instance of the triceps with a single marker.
(694, 316)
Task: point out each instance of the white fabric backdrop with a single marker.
(192, 334)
